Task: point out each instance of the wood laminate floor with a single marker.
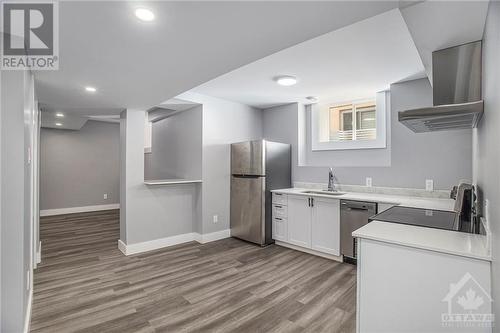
(86, 284)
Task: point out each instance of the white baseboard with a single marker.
(122, 247)
(310, 251)
(213, 236)
(39, 253)
(27, 318)
(72, 210)
(129, 249)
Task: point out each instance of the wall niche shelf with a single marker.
(171, 181)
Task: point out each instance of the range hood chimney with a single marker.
(456, 76)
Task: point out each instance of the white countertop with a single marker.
(444, 241)
(171, 181)
(418, 202)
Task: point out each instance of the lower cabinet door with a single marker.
(299, 221)
(280, 230)
(325, 226)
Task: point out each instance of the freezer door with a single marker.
(247, 208)
(247, 158)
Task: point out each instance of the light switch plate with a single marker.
(368, 181)
(216, 218)
(429, 185)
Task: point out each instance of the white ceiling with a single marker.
(136, 64)
(344, 65)
(68, 122)
(358, 60)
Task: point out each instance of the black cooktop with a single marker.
(432, 218)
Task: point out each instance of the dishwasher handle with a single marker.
(357, 208)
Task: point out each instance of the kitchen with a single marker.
(337, 171)
(441, 230)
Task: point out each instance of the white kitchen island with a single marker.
(417, 279)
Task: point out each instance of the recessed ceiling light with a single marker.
(312, 99)
(286, 80)
(59, 115)
(58, 124)
(90, 89)
(144, 14)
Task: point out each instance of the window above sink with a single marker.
(359, 124)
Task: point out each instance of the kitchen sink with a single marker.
(325, 192)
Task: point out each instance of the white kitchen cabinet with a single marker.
(299, 221)
(325, 225)
(280, 211)
(280, 198)
(280, 222)
(280, 229)
(314, 223)
(405, 289)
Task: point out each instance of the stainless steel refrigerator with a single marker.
(257, 167)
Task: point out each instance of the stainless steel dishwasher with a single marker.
(353, 215)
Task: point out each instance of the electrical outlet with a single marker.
(105, 196)
(429, 185)
(368, 181)
(216, 218)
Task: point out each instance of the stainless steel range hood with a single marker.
(456, 76)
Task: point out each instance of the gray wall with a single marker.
(150, 212)
(176, 147)
(16, 129)
(486, 143)
(444, 157)
(224, 122)
(78, 167)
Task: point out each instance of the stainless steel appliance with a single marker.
(467, 219)
(353, 215)
(257, 167)
(456, 76)
(462, 218)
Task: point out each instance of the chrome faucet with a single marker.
(331, 184)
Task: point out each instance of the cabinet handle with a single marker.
(312, 202)
(309, 202)
(278, 206)
(278, 218)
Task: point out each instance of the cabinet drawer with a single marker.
(280, 211)
(280, 198)
(280, 229)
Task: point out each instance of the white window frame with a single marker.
(379, 142)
